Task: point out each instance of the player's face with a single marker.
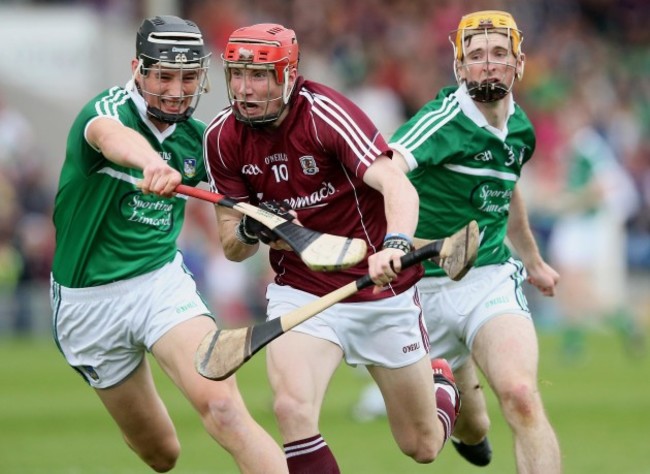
(256, 92)
(489, 62)
(169, 89)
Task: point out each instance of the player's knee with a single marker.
(473, 428)
(521, 402)
(163, 465)
(480, 427)
(222, 412)
(421, 453)
(422, 446)
(292, 411)
(162, 456)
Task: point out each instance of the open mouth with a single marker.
(491, 80)
(248, 108)
(172, 105)
(492, 84)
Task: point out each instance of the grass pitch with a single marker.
(51, 422)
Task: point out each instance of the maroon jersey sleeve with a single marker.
(223, 163)
(344, 128)
(315, 162)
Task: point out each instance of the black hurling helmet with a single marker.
(170, 42)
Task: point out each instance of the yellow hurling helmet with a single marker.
(478, 22)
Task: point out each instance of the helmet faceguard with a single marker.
(485, 23)
(268, 47)
(171, 43)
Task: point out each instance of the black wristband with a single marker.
(399, 243)
(243, 236)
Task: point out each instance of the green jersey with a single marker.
(106, 229)
(464, 169)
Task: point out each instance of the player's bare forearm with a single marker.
(120, 144)
(401, 203)
(126, 147)
(233, 249)
(540, 274)
(519, 231)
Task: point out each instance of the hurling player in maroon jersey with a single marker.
(303, 145)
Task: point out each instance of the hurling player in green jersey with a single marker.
(464, 152)
(119, 285)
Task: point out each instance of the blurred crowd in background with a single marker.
(587, 69)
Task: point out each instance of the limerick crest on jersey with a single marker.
(189, 167)
(308, 164)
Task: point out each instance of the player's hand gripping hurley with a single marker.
(320, 252)
(223, 351)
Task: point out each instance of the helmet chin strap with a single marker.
(169, 118)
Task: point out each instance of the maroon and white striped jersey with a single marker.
(315, 161)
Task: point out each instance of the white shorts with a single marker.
(456, 311)
(104, 331)
(389, 332)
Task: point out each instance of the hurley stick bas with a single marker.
(320, 252)
(223, 351)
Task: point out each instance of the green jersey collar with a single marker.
(469, 108)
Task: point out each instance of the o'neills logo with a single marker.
(149, 210)
(411, 348)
